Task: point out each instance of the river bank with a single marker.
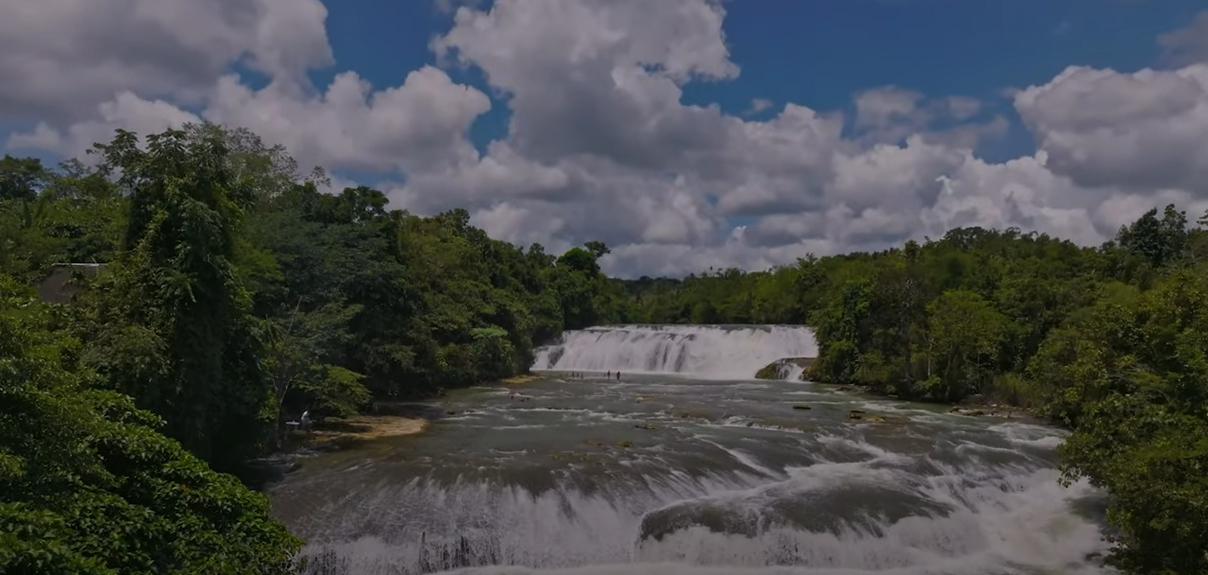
(972, 406)
(344, 431)
(384, 420)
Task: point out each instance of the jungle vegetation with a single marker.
(235, 294)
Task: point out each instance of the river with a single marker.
(683, 474)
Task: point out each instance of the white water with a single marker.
(790, 372)
(703, 351)
(1012, 519)
(678, 476)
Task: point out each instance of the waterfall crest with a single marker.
(703, 351)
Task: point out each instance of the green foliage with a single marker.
(172, 321)
(301, 348)
(72, 214)
(964, 333)
(1140, 380)
(1158, 241)
(21, 178)
(87, 484)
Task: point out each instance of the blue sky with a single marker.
(821, 52)
(562, 121)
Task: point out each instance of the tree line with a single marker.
(1110, 341)
(237, 294)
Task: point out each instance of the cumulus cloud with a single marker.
(60, 58)
(420, 124)
(600, 143)
(1144, 131)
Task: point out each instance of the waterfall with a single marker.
(703, 351)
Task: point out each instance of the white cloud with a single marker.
(418, 125)
(600, 144)
(60, 58)
(1144, 131)
(127, 111)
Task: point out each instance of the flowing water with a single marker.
(708, 351)
(680, 474)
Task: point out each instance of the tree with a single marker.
(21, 178)
(171, 321)
(1142, 429)
(597, 248)
(964, 333)
(87, 485)
(1158, 240)
(302, 351)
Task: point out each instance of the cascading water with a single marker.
(789, 371)
(704, 351)
(675, 475)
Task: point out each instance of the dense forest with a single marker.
(236, 294)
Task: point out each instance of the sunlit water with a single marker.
(664, 474)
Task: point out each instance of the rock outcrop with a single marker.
(787, 368)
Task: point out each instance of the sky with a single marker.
(685, 134)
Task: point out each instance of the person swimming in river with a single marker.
(618, 375)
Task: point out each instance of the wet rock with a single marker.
(976, 412)
(863, 416)
(802, 407)
(647, 426)
(625, 444)
(717, 519)
(783, 369)
(451, 412)
(688, 413)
